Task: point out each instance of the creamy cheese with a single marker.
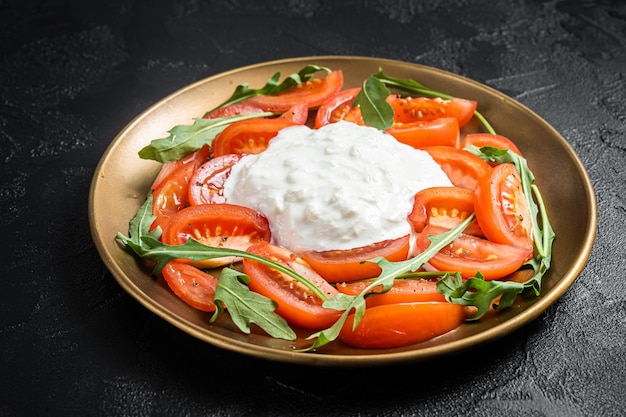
(338, 187)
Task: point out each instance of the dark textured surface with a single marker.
(72, 74)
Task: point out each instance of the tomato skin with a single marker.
(217, 225)
(463, 168)
(171, 195)
(501, 207)
(422, 109)
(444, 207)
(248, 136)
(295, 303)
(298, 114)
(345, 265)
(443, 131)
(313, 93)
(470, 254)
(396, 325)
(207, 183)
(487, 139)
(235, 109)
(339, 107)
(402, 291)
(190, 284)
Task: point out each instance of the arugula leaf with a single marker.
(412, 87)
(390, 271)
(272, 86)
(185, 139)
(246, 307)
(375, 109)
(139, 227)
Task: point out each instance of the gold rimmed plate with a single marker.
(122, 180)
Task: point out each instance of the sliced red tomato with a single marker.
(443, 131)
(502, 209)
(207, 183)
(235, 109)
(197, 158)
(313, 93)
(395, 325)
(487, 139)
(171, 194)
(248, 136)
(470, 254)
(190, 284)
(217, 225)
(296, 303)
(422, 109)
(463, 168)
(348, 265)
(339, 107)
(403, 291)
(444, 207)
(298, 114)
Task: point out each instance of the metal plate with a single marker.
(122, 181)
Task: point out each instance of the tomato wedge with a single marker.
(502, 209)
(395, 325)
(217, 225)
(298, 114)
(171, 186)
(442, 131)
(207, 183)
(348, 265)
(444, 207)
(235, 109)
(339, 107)
(295, 302)
(403, 291)
(487, 139)
(463, 168)
(248, 136)
(422, 109)
(190, 284)
(470, 254)
(313, 93)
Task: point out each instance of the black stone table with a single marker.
(74, 73)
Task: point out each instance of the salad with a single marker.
(473, 245)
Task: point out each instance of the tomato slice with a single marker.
(463, 168)
(235, 109)
(470, 254)
(171, 194)
(395, 325)
(442, 131)
(298, 114)
(217, 225)
(422, 109)
(207, 183)
(403, 291)
(339, 107)
(348, 265)
(313, 93)
(487, 139)
(444, 207)
(295, 302)
(248, 136)
(501, 207)
(190, 284)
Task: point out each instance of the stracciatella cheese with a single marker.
(338, 187)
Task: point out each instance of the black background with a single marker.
(73, 73)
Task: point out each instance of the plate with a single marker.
(122, 180)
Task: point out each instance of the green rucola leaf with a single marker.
(139, 227)
(272, 86)
(185, 139)
(246, 307)
(375, 109)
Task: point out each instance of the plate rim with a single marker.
(376, 358)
